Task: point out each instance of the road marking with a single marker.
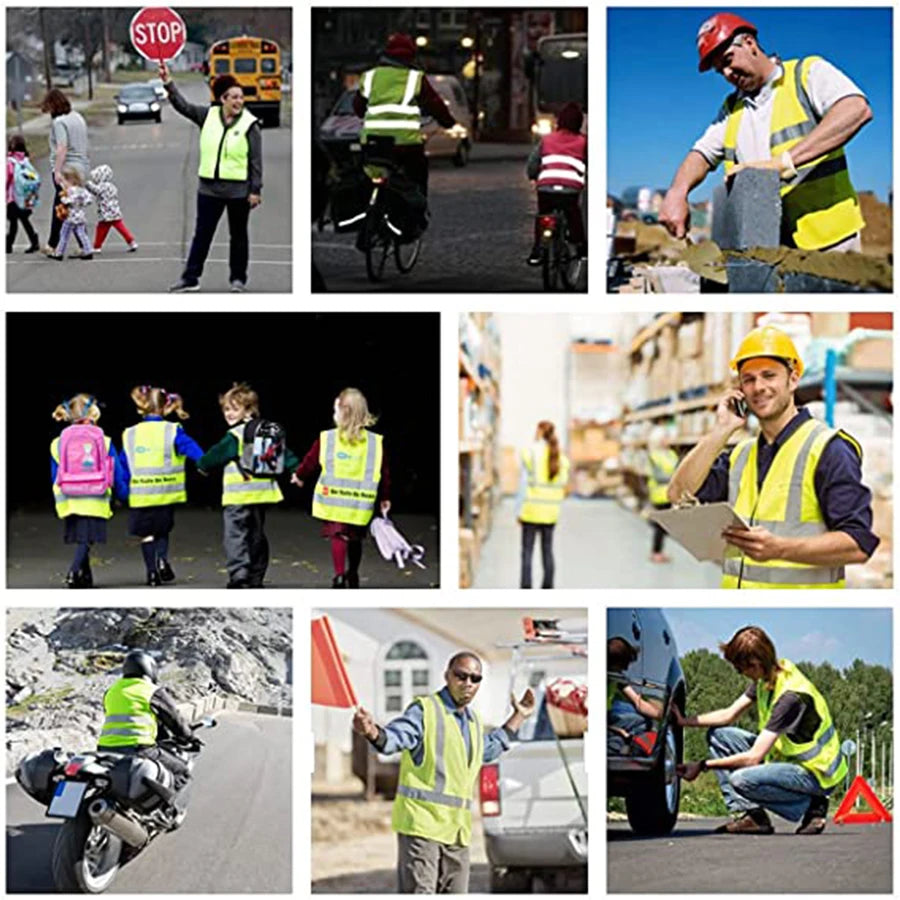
(216, 244)
(106, 260)
(105, 148)
(10, 781)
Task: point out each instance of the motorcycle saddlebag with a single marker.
(407, 208)
(349, 200)
(127, 780)
(35, 771)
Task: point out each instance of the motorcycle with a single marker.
(112, 805)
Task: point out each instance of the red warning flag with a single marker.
(330, 682)
(845, 814)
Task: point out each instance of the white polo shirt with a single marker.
(825, 86)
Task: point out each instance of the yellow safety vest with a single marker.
(157, 469)
(819, 204)
(662, 464)
(543, 495)
(434, 798)
(238, 490)
(129, 722)
(225, 151)
(98, 507)
(822, 755)
(393, 104)
(348, 484)
(786, 505)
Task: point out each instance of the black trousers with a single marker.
(209, 211)
(55, 224)
(659, 533)
(414, 162)
(14, 215)
(246, 544)
(529, 532)
(571, 208)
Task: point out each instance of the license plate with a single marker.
(139, 107)
(67, 799)
(355, 147)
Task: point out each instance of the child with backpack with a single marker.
(74, 200)
(252, 454)
(109, 213)
(84, 474)
(152, 463)
(354, 481)
(23, 185)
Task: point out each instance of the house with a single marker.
(22, 83)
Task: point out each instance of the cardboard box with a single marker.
(692, 373)
(827, 324)
(872, 353)
(690, 339)
(666, 343)
(509, 470)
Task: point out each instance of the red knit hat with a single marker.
(401, 46)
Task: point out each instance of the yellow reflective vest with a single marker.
(819, 204)
(822, 754)
(241, 490)
(663, 463)
(98, 507)
(393, 109)
(129, 722)
(225, 151)
(156, 468)
(786, 505)
(348, 483)
(543, 495)
(434, 798)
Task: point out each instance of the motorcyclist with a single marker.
(392, 99)
(136, 708)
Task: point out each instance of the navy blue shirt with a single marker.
(846, 502)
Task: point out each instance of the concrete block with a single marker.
(718, 231)
(750, 276)
(751, 216)
(801, 283)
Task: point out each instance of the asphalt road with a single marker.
(155, 168)
(236, 838)
(843, 859)
(300, 557)
(480, 233)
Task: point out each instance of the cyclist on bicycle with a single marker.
(559, 165)
(392, 98)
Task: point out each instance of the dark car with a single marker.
(642, 767)
(138, 101)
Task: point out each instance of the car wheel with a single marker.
(158, 119)
(510, 881)
(121, 120)
(462, 155)
(653, 804)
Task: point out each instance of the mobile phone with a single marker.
(739, 407)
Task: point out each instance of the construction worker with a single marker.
(627, 712)
(794, 117)
(662, 461)
(443, 747)
(798, 484)
(392, 99)
(793, 764)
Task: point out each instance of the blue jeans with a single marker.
(786, 789)
(623, 715)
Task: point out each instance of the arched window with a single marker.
(406, 673)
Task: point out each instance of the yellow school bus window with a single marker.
(244, 66)
(221, 67)
(267, 66)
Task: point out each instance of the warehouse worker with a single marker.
(542, 488)
(627, 729)
(793, 764)
(662, 461)
(443, 747)
(794, 117)
(798, 484)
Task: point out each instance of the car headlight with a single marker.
(544, 126)
(154, 107)
(122, 108)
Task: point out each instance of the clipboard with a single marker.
(699, 529)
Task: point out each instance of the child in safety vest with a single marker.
(84, 474)
(75, 200)
(353, 482)
(152, 464)
(245, 497)
(109, 212)
(22, 186)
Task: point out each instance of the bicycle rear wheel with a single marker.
(569, 264)
(378, 245)
(549, 267)
(406, 255)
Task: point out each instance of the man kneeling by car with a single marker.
(792, 765)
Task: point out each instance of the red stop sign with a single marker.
(158, 33)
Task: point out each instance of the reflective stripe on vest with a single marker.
(130, 721)
(97, 507)
(662, 464)
(543, 495)
(225, 151)
(157, 469)
(786, 505)
(393, 109)
(563, 160)
(819, 204)
(434, 798)
(238, 490)
(348, 483)
(822, 755)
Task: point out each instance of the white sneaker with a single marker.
(132, 246)
(98, 250)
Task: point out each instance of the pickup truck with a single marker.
(534, 798)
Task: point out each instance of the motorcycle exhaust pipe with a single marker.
(105, 816)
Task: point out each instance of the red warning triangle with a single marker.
(845, 814)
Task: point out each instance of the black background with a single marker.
(297, 363)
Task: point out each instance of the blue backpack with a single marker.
(26, 184)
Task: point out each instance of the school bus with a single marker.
(256, 64)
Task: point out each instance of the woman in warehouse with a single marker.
(662, 461)
(542, 487)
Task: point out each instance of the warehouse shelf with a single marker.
(650, 331)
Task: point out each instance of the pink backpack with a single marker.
(85, 466)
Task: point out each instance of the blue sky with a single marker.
(817, 635)
(659, 104)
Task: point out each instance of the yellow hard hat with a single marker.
(768, 341)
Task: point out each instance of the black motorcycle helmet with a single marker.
(140, 664)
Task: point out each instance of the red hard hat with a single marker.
(401, 46)
(718, 30)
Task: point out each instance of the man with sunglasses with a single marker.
(793, 764)
(443, 747)
(794, 117)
